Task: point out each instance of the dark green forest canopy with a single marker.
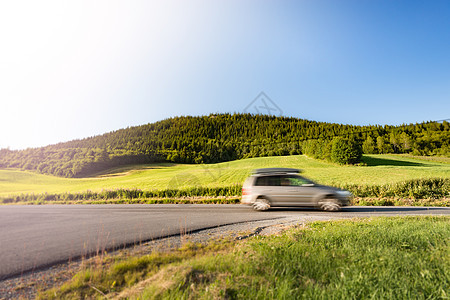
(222, 137)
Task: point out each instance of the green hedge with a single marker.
(432, 188)
(229, 191)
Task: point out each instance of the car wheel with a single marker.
(329, 204)
(261, 204)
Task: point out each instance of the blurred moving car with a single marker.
(275, 187)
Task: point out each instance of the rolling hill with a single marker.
(220, 138)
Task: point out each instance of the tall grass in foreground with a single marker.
(397, 258)
(381, 258)
(432, 188)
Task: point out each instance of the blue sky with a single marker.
(81, 68)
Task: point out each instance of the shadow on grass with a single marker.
(375, 161)
(125, 169)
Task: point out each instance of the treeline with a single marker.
(223, 137)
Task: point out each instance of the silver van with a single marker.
(274, 187)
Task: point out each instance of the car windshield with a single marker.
(282, 180)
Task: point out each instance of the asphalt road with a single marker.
(33, 237)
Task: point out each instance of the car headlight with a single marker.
(345, 194)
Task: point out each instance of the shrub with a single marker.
(345, 151)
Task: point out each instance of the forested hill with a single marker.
(217, 138)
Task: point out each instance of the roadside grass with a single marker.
(379, 170)
(382, 257)
(109, 275)
(444, 202)
(193, 200)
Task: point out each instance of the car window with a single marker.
(284, 180)
(297, 180)
(268, 181)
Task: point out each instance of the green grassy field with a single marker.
(380, 169)
(371, 258)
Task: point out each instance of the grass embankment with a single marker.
(422, 192)
(386, 258)
(380, 169)
(385, 179)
